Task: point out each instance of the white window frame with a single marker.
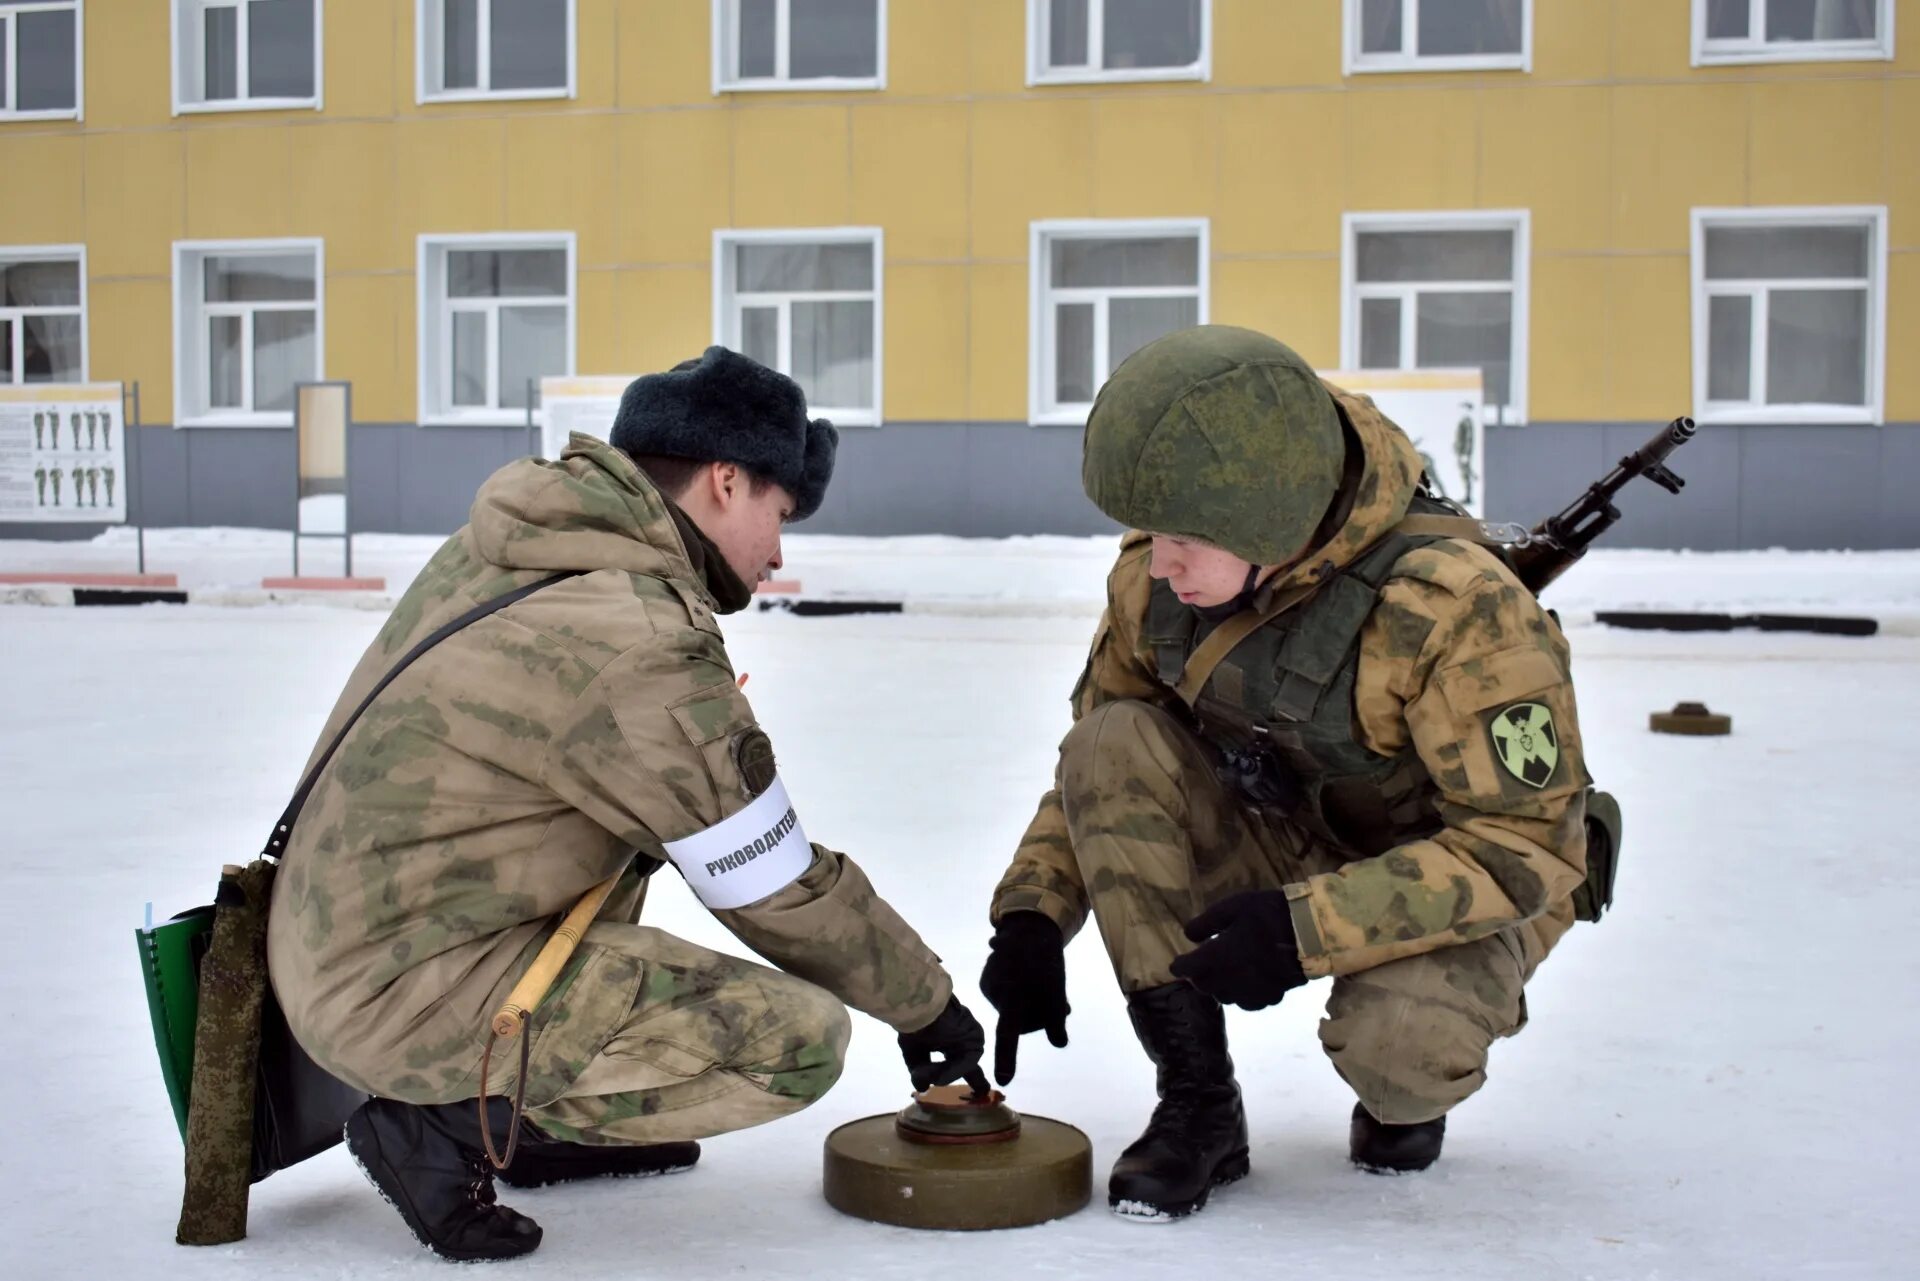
(1354, 62)
(10, 360)
(726, 57)
(187, 258)
(1752, 48)
(727, 304)
(1039, 72)
(7, 58)
(427, 12)
(1042, 409)
(435, 332)
(1517, 221)
(189, 65)
(1757, 410)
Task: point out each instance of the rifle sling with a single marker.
(1220, 642)
(282, 830)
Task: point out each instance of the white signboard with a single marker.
(1440, 410)
(63, 453)
(582, 404)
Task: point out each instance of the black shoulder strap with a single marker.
(277, 843)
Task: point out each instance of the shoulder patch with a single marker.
(1526, 742)
(753, 757)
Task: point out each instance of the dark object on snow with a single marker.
(1197, 1137)
(428, 1163)
(1690, 718)
(1010, 1172)
(127, 596)
(829, 608)
(1553, 545)
(725, 407)
(1379, 1148)
(1668, 621)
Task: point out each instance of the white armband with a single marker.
(744, 858)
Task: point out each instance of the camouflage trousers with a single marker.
(1158, 837)
(654, 1039)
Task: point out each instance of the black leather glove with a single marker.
(958, 1037)
(1248, 955)
(1026, 982)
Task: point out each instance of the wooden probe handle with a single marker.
(553, 957)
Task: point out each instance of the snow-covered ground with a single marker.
(1716, 1082)
(1023, 577)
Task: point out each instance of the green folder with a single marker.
(167, 953)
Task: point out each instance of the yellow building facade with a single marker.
(1608, 139)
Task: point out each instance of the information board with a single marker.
(63, 453)
(1440, 410)
(582, 403)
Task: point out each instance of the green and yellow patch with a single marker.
(1526, 743)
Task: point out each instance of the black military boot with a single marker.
(1197, 1138)
(1379, 1148)
(542, 1159)
(428, 1163)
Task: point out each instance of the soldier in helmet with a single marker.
(593, 726)
(1311, 740)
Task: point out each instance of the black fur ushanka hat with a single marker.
(726, 408)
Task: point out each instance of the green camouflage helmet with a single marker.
(1219, 434)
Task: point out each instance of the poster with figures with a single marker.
(578, 403)
(63, 453)
(1440, 410)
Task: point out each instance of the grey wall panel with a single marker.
(896, 479)
(972, 479)
(1808, 487)
(162, 466)
(373, 475)
(51, 531)
(1899, 485)
(1024, 480)
(1535, 470)
(240, 476)
(442, 467)
(421, 480)
(1787, 486)
(1704, 516)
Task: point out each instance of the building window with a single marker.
(495, 49)
(1100, 292)
(40, 60)
(1789, 314)
(496, 316)
(248, 329)
(1729, 31)
(1439, 35)
(239, 55)
(43, 314)
(1440, 291)
(1075, 41)
(799, 44)
(807, 303)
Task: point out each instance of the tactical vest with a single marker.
(1287, 690)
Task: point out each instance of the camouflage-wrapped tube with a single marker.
(233, 984)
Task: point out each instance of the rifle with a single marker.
(1550, 548)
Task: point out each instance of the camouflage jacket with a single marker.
(1453, 642)
(525, 759)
